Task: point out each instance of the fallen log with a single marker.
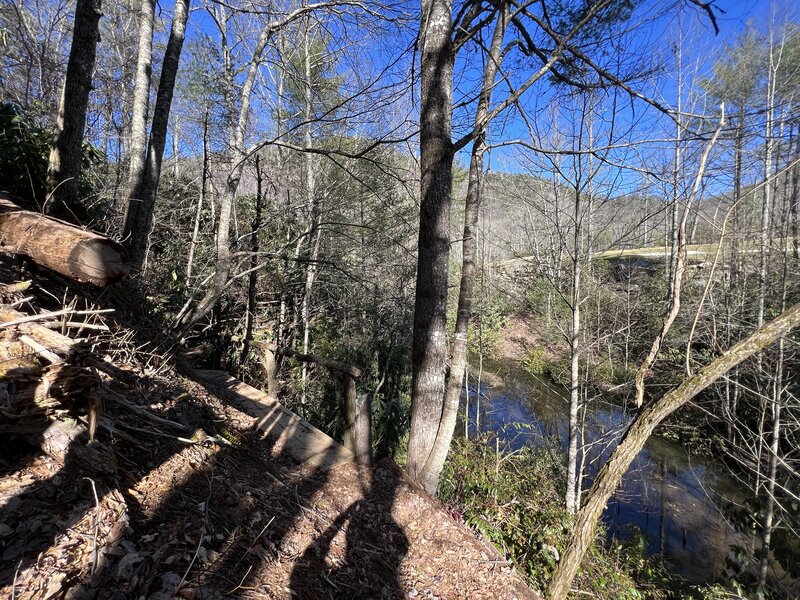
(81, 255)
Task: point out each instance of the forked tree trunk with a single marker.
(141, 101)
(139, 218)
(430, 306)
(236, 135)
(634, 439)
(674, 303)
(458, 362)
(64, 167)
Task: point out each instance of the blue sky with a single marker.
(654, 45)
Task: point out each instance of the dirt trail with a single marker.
(214, 507)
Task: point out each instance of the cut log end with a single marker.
(81, 255)
(99, 261)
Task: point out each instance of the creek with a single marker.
(673, 497)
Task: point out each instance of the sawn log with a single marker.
(81, 255)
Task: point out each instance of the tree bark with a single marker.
(200, 201)
(141, 102)
(252, 284)
(573, 473)
(458, 362)
(81, 255)
(430, 306)
(363, 430)
(64, 167)
(139, 217)
(311, 204)
(674, 303)
(358, 422)
(636, 436)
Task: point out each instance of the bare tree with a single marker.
(640, 430)
(142, 199)
(64, 167)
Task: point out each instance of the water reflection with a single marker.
(670, 495)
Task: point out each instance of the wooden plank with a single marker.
(291, 434)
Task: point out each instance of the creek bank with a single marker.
(673, 502)
(522, 347)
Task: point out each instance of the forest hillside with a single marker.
(448, 298)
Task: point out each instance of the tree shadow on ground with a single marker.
(83, 472)
(375, 547)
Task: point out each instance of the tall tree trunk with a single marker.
(768, 524)
(441, 446)
(252, 284)
(637, 434)
(676, 193)
(430, 305)
(770, 484)
(573, 474)
(793, 200)
(64, 166)
(200, 201)
(738, 148)
(141, 102)
(139, 218)
(763, 237)
(311, 204)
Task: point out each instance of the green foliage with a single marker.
(24, 154)
(515, 501)
(535, 362)
(390, 423)
(24, 150)
(541, 297)
(487, 325)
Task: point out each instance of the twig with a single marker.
(75, 324)
(14, 583)
(40, 350)
(106, 424)
(95, 552)
(200, 541)
(241, 581)
(250, 547)
(20, 301)
(57, 313)
(110, 394)
(338, 589)
(269, 474)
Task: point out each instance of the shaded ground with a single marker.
(210, 507)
